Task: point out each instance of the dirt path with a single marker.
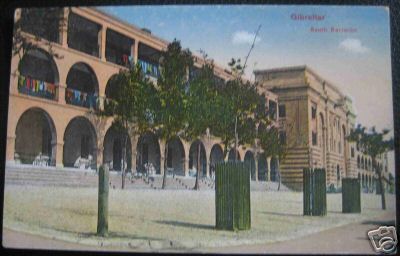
(346, 239)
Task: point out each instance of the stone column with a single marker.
(208, 167)
(10, 149)
(61, 94)
(64, 29)
(134, 141)
(102, 40)
(256, 167)
(269, 168)
(162, 156)
(136, 51)
(186, 168)
(60, 155)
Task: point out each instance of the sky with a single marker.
(355, 57)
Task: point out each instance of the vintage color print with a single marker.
(120, 139)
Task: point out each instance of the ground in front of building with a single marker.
(177, 220)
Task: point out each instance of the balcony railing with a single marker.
(149, 68)
(37, 88)
(82, 99)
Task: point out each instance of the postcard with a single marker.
(201, 129)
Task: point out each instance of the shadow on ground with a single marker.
(283, 214)
(185, 224)
(379, 222)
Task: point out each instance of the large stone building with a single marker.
(49, 117)
(316, 117)
(51, 94)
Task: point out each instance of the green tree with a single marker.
(374, 144)
(171, 91)
(200, 108)
(133, 106)
(235, 104)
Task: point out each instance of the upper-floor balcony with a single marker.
(149, 59)
(86, 36)
(37, 88)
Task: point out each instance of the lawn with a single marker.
(170, 219)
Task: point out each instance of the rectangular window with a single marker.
(272, 110)
(118, 48)
(352, 152)
(42, 22)
(282, 111)
(313, 112)
(83, 35)
(314, 138)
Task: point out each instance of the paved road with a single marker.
(346, 239)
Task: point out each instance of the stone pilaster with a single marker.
(60, 155)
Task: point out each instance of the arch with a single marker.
(175, 156)
(262, 167)
(148, 152)
(274, 169)
(82, 86)
(193, 154)
(112, 86)
(113, 148)
(35, 136)
(40, 65)
(80, 142)
(250, 161)
(216, 156)
(231, 155)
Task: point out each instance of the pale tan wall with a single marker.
(62, 113)
(289, 83)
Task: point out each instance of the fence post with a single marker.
(314, 192)
(232, 196)
(102, 214)
(351, 196)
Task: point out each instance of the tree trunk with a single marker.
(382, 190)
(278, 172)
(164, 182)
(196, 185)
(123, 162)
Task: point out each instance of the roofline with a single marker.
(125, 23)
(302, 68)
(220, 69)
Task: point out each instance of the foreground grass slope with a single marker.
(150, 220)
